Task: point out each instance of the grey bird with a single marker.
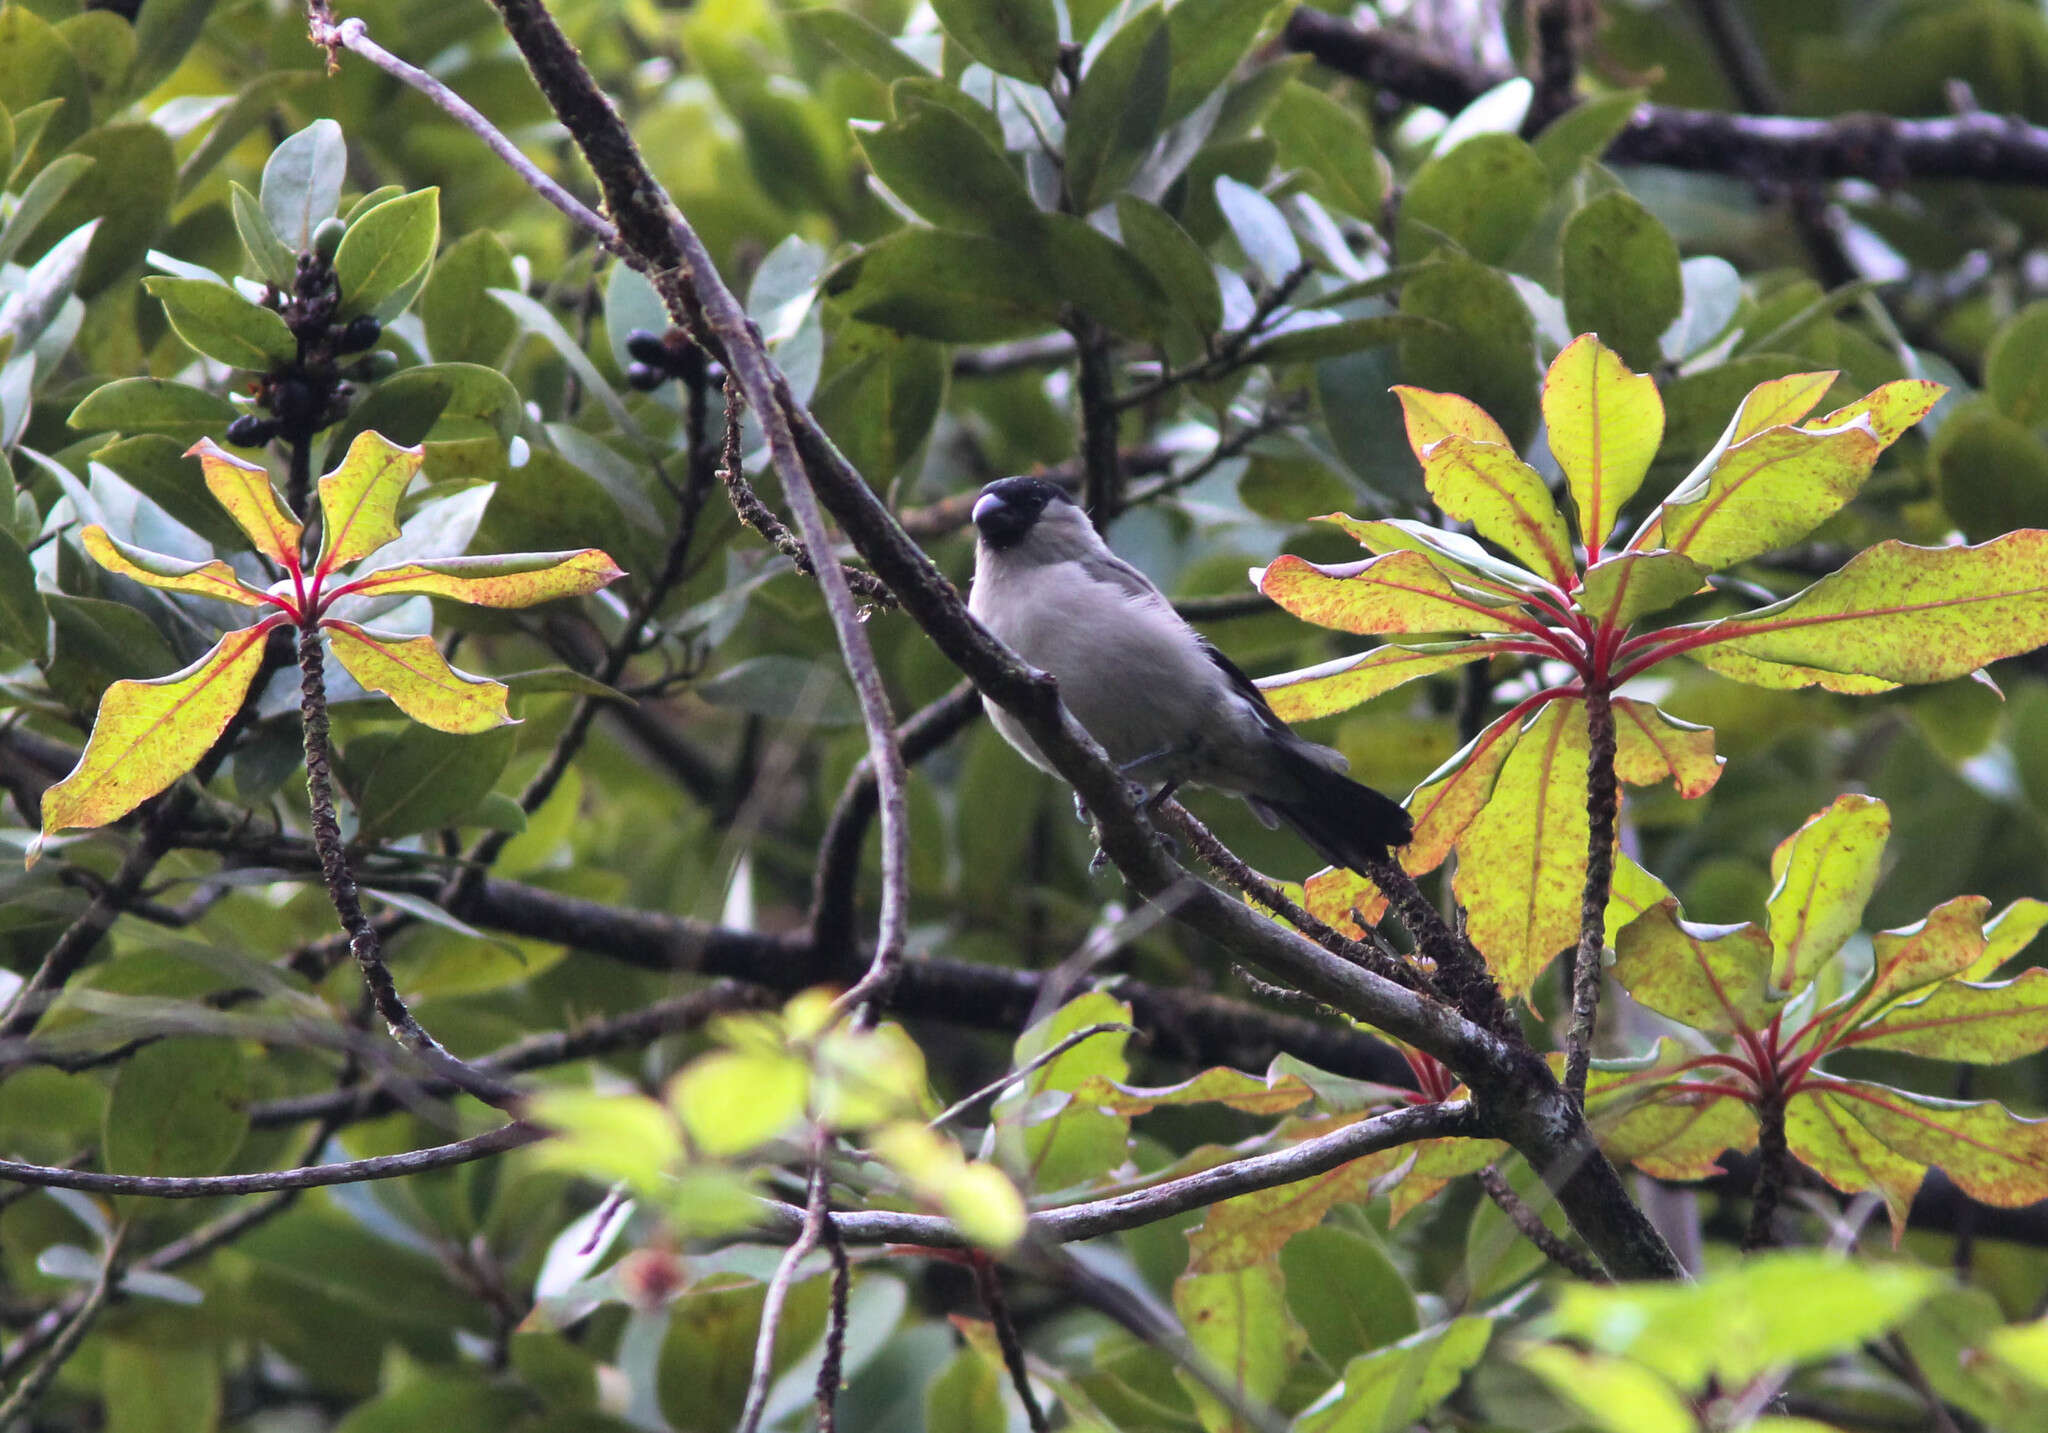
(1167, 706)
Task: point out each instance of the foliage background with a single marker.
(707, 796)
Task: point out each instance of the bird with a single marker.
(1160, 698)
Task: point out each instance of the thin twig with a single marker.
(817, 1209)
(1561, 1253)
(312, 1176)
(353, 35)
(1029, 1067)
(1603, 801)
(989, 1284)
(1557, 63)
(1229, 354)
(67, 1340)
(831, 1368)
(1095, 391)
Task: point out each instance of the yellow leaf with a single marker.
(359, 499)
(1401, 592)
(1650, 745)
(413, 673)
(1346, 682)
(1768, 490)
(1825, 872)
(1605, 424)
(515, 580)
(1891, 409)
(1432, 417)
(1780, 401)
(250, 498)
(1504, 498)
(1522, 861)
(148, 734)
(213, 579)
(1444, 805)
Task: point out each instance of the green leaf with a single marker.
(1504, 498)
(1486, 349)
(707, 1355)
(1096, 274)
(1051, 1144)
(1333, 143)
(2011, 931)
(154, 405)
(177, 1108)
(1238, 1322)
(2016, 366)
(1174, 259)
(1522, 896)
(1483, 196)
(1621, 276)
(1402, 592)
(1345, 1293)
(1260, 229)
(387, 248)
(1618, 590)
(302, 183)
(957, 288)
(149, 733)
(36, 67)
(359, 499)
(413, 673)
(24, 619)
(1248, 1232)
(1908, 614)
(625, 1137)
(734, 1101)
(273, 260)
(39, 198)
(94, 643)
(786, 688)
(419, 779)
(855, 41)
(922, 91)
(1276, 1094)
(947, 171)
(1386, 1390)
(1992, 471)
(1604, 425)
(1715, 978)
(1119, 108)
(218, 322)
(1345, 682)
(979, 1199)
(1209, 39)
(128, 190)
(1311, 342)
(519, 579)
(882, 397)
(1584, 131)
(1823, 873)
(156, 1384)
(1651, 744)
(1019, 38)
(966, 1397)
(164, 32)
(1616, 1395)
(1769, 1310)
(442, 402)
(463, 325)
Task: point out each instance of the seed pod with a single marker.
(649, 349)
(251, 431)
(360, 332)
(327, 238)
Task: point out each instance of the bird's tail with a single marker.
(1347, 824)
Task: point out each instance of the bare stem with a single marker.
(816, 1210)
(1603, 801)
(66, 1341)
(831, 1369)
(989, 1283)
(1531, 1226)
(1773, 1174)
(363, 940)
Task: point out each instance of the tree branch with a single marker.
(1095, 1218)
(1531, 1227)
(1991, 149)
(312, 1176)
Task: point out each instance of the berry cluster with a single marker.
(312, 392)
(660, 357)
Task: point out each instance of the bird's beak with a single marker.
(1000, 524)
(985, 505)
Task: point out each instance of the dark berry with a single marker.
(649, 349)
(251, 431)
(360, 332)
(645, 377)
(373, 366)
(327, 238)
(294, 403)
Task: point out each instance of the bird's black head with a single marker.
(1008, 508)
